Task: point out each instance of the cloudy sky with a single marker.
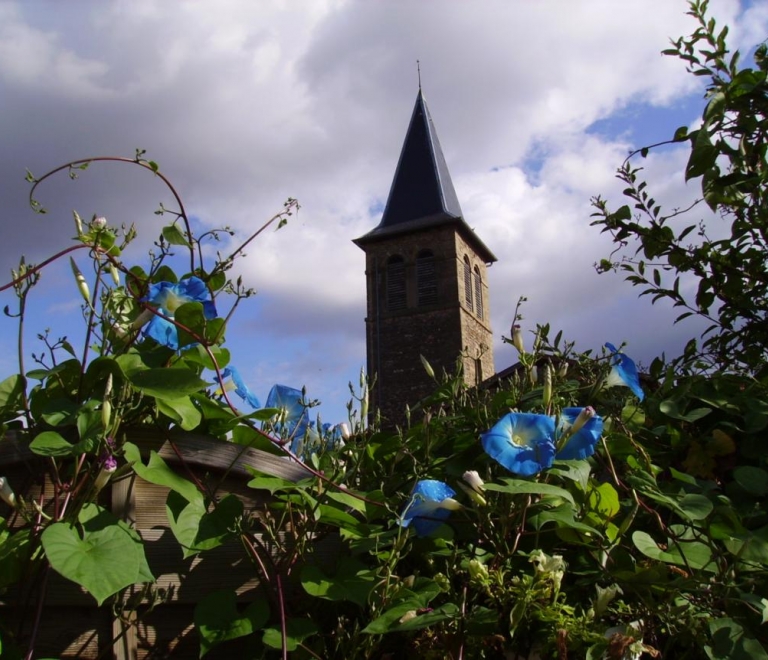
(244, 104)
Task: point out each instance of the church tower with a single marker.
(426, 280)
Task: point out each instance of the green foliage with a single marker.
(100, 553)
(656, 544)
(218, 619)
(76, 410)
(684, 248)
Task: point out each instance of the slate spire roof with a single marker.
(422, 185)
(422, 194)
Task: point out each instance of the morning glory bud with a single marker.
(119, 331)
(78, 223)
(115, 275)
(473, 495)
(142, 319)
(364, 405)
(106, 406)
(108, 467)
(106, 414)
(546, 395)
(81, 283)
(6, 493)
(584, 416)
(344, 430)
(533, 375)
(427, 366)
(408, 616)
(450, 504)
(562, 372)
(99, 222)
(517, 339)
(473, 479)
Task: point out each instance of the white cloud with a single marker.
(244, 104)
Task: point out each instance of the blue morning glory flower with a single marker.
(431, 501)
(293, 419)
(524, 443)
(584, 427)
(241, 389)
(623, 372)
(168, 297)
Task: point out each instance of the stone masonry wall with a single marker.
(439, 332)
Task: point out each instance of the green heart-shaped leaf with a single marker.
(103, 561)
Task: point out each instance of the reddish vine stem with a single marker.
(257, 557)
(34, 269)
(283, 630)
(122, 159)
(38, 613)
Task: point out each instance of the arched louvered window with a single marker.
(395, 283)
(468, 284)
(478, 293)
(426, 278)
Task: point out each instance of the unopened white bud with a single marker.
(546, 395)
(584, 416)
(517, 338)
(450, 504)
(408, 616)
(472, 477)
(142, 319)
(78, 223)
(6, 493)
(364, 405)
(427, 366)
(473, 495)
(106, 406)
(82, 285)
(99, 222)
(119, 331)
(106, 414)
(108, 467)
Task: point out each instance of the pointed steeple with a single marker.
(422, 185)
(422, 193)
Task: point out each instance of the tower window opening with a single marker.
(426, 278)
(478, 293)
(395, 283)
(468, 284)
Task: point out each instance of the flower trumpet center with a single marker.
(520, 438)
(171, 301)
